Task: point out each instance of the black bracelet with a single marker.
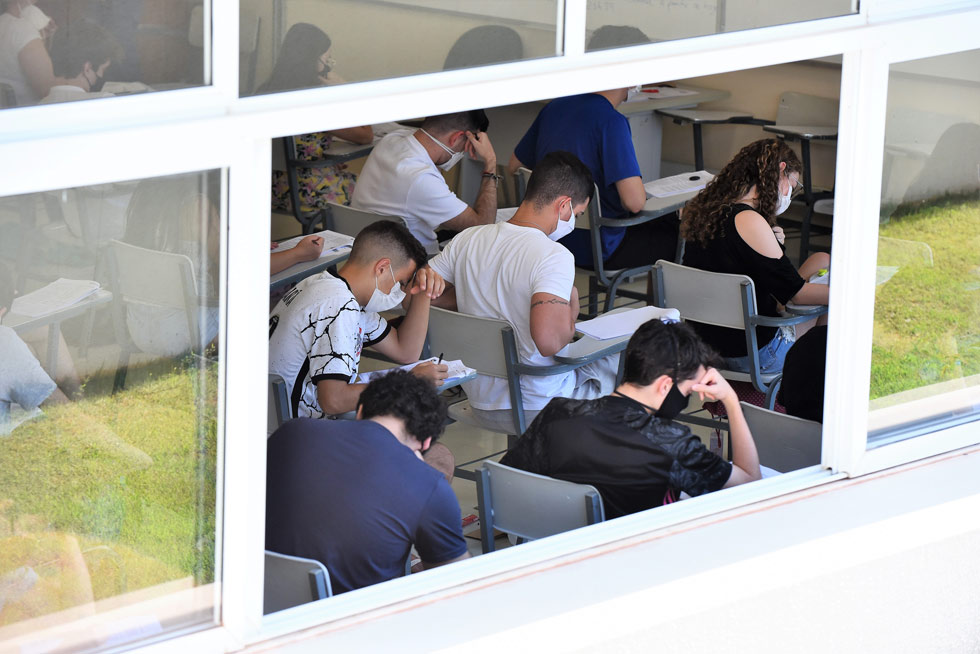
(494, 177)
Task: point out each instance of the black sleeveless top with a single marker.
(776, 280)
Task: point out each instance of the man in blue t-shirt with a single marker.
(590, 127)
(356, 495)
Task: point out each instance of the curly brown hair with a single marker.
(757, 164)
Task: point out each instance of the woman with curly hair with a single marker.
(730, 227)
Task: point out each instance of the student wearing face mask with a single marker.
(730, 227)
(317, 329)
(626, 444)
(24, 61)
(82, 54)
(515, 271)
(401, 176)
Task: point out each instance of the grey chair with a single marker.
(531, 506)
(785, 443)
(726, 301)
(8, 98)
(487, 345)
(151, 277)
(293, 580)
(279, 408)
(347, 220)
(485, 45)
(807, 118)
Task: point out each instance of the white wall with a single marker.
(889, 566)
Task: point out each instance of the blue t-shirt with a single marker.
(589, 127)
(350, 495)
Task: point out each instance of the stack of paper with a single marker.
(56, 296)
(666, 187)
(624, 323)
(332, 242)
(457, 369)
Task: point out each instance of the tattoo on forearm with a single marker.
(551, 301)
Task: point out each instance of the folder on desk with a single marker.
(624, 323)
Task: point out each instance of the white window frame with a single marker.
(210, 127)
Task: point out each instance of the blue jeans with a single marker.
(771, 356)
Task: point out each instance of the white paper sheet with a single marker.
(666, 187)
(332, 242)
(57, 295)
(623, 323)
(456, 369)
(658, 92)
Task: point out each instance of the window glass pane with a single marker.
(304, 43)
(108, 411)
(617, 23)
(53, 51)
(926, 347)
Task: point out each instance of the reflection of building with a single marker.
(792, 564)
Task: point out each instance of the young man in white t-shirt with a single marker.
(515, 271)
(401, 176)
(317, 329)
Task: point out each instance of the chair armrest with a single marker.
(808, 310)
(768, 321)
(635, 219)
(808, 132)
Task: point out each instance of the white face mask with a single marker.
(634, 92)
(784, 201)
(383, 301)
(564, 227)
(454, 156)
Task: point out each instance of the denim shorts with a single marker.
(771, 355)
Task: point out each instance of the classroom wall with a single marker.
(756, 91)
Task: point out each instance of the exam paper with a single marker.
(666, 187)
(456, 369)
(57, 295)
(332, 242)
(624, 323)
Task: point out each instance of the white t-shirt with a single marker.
(316, 332)
(496, 269)
(400, 179)
(15, 33)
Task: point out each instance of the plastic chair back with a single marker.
(350, 221)
(476, 341)
(521, 177)
(702, 296)
(810, 110)
(532, 506)
(153, 277)
(293, 580)
(784, 442)
(484, 45)
(279, 409)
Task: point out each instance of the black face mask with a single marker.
(97, 85)
(673, 404)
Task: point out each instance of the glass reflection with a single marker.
(336, 41)
(59, 51)
(108, 425)
(926, 347)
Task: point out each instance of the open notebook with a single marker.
(57, 295)
(624, 323)
(332, 242)
(456, 370)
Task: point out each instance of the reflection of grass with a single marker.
(134, 471)
(927, 317)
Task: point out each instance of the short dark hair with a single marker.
(659, 348)
(6, 287)
(804, 373)
(390, 239)
(402, 395)
(80, 42)
(616, 36)
(467, 121)
(559, 173)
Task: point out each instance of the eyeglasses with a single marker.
(797, 186)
